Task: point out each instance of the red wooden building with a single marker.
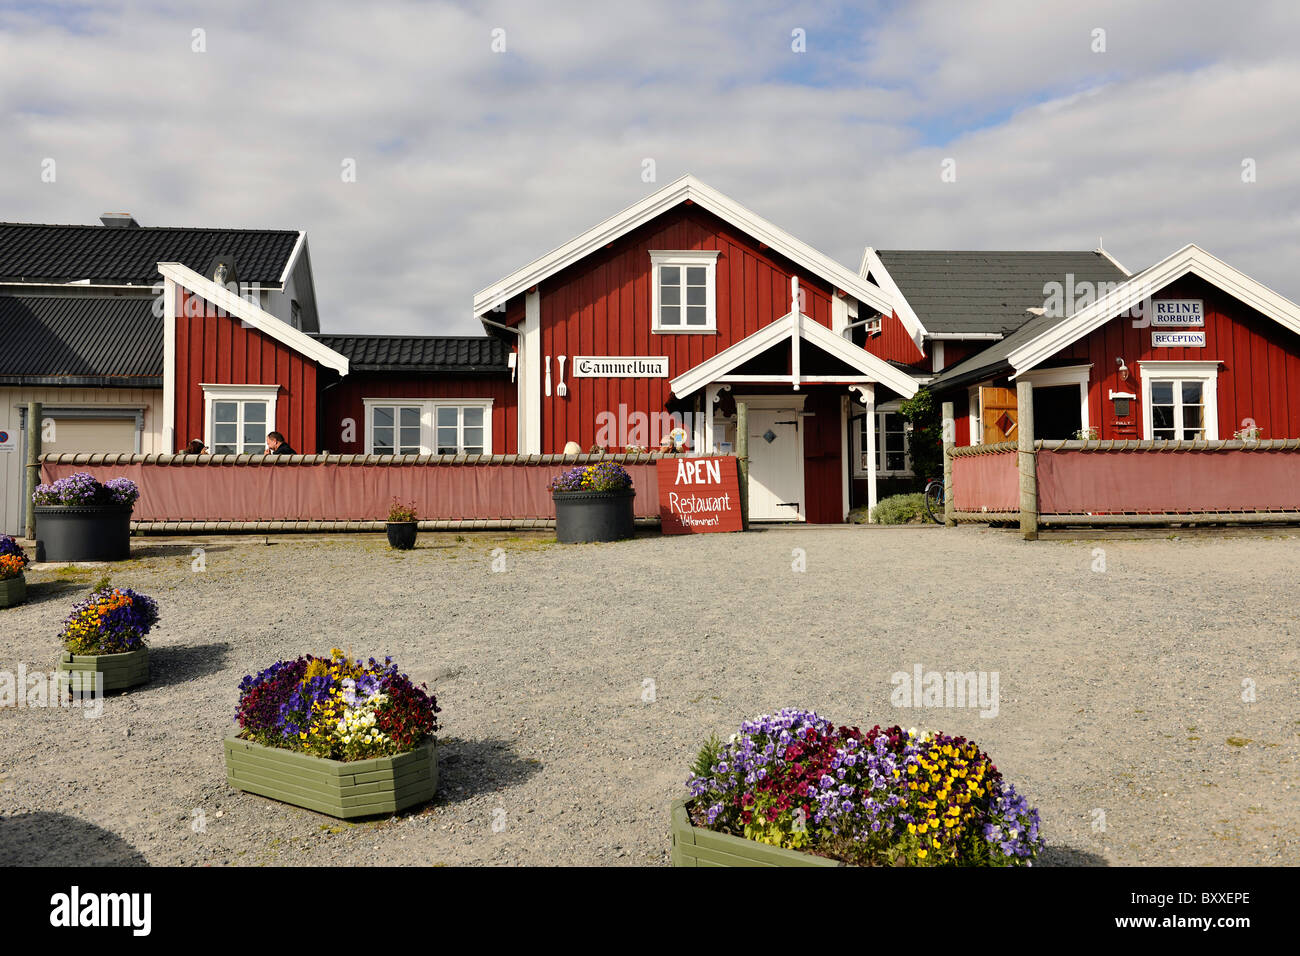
(647, 328)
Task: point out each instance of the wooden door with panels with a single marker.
(998, 414)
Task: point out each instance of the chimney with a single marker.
(119, 220)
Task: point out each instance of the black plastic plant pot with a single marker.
(83, 532)
(401, 534)
(582, 516)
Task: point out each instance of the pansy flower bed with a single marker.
(336, 708)
(12, 558)
(85, 489)
(335, 735)
(603, 476)
(884, 797)
(110, 621)
(104, 640)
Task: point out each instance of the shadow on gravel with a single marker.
(56, 839)
(171, 550)
(176, 665)
(1068, 856)
(38, 592)
(467, 768)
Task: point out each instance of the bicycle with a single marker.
(934, 505)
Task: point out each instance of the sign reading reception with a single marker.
(699, 495)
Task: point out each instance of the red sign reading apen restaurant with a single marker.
(699, 495)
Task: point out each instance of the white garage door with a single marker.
(92, 435)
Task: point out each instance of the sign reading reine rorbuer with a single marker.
(699, 495)
(1178, 313)
(619, 366)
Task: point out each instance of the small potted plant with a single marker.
(105, 634)
(796, 790)
(593, 503)
(335, 735)
(13, 585)
(402, 526)
(80, 519)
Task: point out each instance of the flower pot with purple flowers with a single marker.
(593, 503)
(794, 789)
(342, 737)
(13, 584)
(80, 519)
(104, 638)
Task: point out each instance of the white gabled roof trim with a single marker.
(258, 318)
(293, 259)
(707, 198)
(1189, 259)
(872, 265)
(813, 332)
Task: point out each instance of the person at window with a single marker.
(276, 445)
(195, 447)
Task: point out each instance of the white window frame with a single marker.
(708, 258)
(889, 408)
(1207, 373)
(429, 419)
(213, 393)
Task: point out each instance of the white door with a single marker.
(775, 465)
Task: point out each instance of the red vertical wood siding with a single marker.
(213, 348)
(1259, 374)
(894, 344)
(601, 306)
(344, 402)
(823, 464)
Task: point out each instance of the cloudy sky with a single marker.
(470, 162)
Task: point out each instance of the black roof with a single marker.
(420, 353)
(953, 292)
(89, 340)
(34, 252)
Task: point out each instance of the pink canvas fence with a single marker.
(1219, 477)
(324, 490)
(986, 481)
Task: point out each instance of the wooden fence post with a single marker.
(1028, 461)
(949, 441)
(742, 460)
(32, 477)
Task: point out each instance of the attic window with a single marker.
(682, 291)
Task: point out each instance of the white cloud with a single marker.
(470, 163)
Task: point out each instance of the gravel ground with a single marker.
(1120, 689)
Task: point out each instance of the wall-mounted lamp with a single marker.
(1123, 369)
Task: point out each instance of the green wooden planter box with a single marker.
(344, 789)
(128, 669)
(696, 846)
(13, 591)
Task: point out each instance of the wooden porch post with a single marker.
(742, 460)
(33, 472)
(869, 394)
(1028, 461)
(949, 435)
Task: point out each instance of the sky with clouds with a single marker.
(470, 163)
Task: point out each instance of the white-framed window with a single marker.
(892, 458)
(443, 426)
(1180, 401)
(683, 291)
(237, 418)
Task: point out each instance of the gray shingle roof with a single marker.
(37, 252)
(420, 353)
(995, 356)
(92, 337)
(954, 291)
